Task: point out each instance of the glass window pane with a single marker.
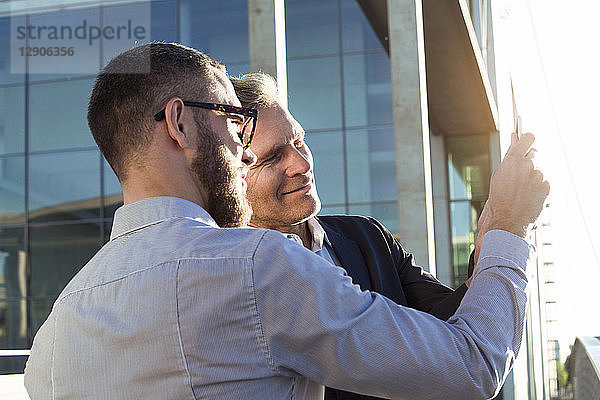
(218, 28)
(367, 89)
(107, 230)
(12, 365)
(163, 21)
(328, 152)
(13, 289)
(331, 210)
(57, 115)
(135, 15)
(11, 71)
(314, 92)
(12, 190)
(40, 308)
(468, 167)
(357, 33)
(13, 324)
(113, 193)
(12, 119)
(86, 59)
(463, 222)
(64, 186)
(58, 252)
(463, 241)
(311, 27)
(371, 164)
(386, 213)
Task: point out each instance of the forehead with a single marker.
(275, 127)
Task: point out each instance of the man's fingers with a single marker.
(514, 138)
(531, 153)
(521, 147)
(546, 188)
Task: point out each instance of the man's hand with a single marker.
(517, 191)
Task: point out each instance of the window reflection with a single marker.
(13, 365)
(463, 220)
(218, 28)
(367, 89)
(328, 154)
(371, 164)
(468, 167)
(163, 22)
(13, 289)
(357, 33)
(57, 115)
(13, 292)
(12, 119)
(11, 71)
(107, 230)
(57, 253)
(88, 57)
(386, 213)
(40, 309)
(120, 15)
(314, 89)
(311, 27)
(329, 210)
(468, 181)
(64, 186)
(12, 190)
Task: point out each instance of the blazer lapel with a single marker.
(349, 256)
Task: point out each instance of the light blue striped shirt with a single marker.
(175, 307)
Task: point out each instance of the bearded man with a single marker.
(180, 304)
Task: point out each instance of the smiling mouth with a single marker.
(301, 189)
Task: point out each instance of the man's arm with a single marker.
(316, 323)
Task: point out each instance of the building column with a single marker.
(411, 126)
(266, 36)
(441, 209)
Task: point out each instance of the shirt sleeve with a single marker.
(316, 323)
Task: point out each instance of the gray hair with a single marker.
(256, 90)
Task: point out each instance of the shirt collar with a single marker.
(319, 237)
(133, 216)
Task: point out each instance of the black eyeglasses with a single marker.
(245, 134)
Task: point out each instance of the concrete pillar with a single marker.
(413, 164)
(441, 210)
(266, 36)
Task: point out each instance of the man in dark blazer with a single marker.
(282, 193)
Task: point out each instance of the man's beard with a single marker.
(215, 169)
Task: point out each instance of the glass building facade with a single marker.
(340, 91)
(469, 174)
(58, 194)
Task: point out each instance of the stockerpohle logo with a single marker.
(75, 39)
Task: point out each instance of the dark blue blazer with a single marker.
(376, 262)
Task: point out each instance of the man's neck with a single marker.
(301, 230)
(144, 185)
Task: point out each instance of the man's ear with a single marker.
(177, 128)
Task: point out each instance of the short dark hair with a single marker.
(134, 86)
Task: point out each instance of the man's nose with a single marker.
(248, 157)
(299, 164)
